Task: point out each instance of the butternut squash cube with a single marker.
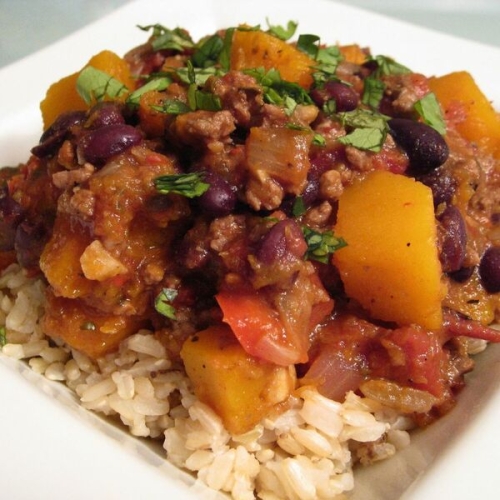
(86, 329)
(481, 123)
(353, 53)
(62, 95)
(241, 389)
(60, 259)
(390, 264)
(257, 49)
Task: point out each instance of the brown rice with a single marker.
(306, 453)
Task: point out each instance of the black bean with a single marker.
(10, 216)
(345, 97)
(462, 274)
(220, 198)
(425, 147)
(103, 114)
(99, 145)
(30, 239)
(489, 269)
(53, 137)
(284, 240)
(442, 184)
(453, 239)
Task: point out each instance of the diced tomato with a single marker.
(350, 349)
(258, 328)
(417, 359)
(276, 325)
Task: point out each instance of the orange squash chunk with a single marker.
(459, 93)
(390, 264)
(241, 389)
(85, 329)
(353, 54)
(60, 259)
(62, 96)
(257, 49)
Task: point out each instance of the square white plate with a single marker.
(52, 449)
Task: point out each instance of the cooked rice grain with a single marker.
(305, 453)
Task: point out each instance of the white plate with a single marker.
(50, 448)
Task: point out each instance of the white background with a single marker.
(28, 25)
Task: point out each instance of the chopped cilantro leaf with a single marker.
(320, 246)
(207, 54)
(198, 99)
(95, 85)
(158, 84)
(330, 107)
(328, 58)
(299, 207)
(368, 129)
(429, 110)
(373, 92)
(163, 302)
(330, 55)
(278, 91)
(225, 53)
(319, 140)
(168, 39)
(388, 66)
(281, 32)
(173, 107)
(198, 75)
(190, 185)
(368, 139)
(309, 45)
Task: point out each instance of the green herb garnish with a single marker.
(278, 91)
(198, 99)
(388, 66)
(163, 302)
(167, 39)
(190, 185)
(328, 58)
(309, 45)
(207, 54)
(299, 207)
(368, 129)
(429, 110)
(319, 140)
(225, 54)
(173, 107)
(95, 85)
(320, 246)
(281, 32)
(373, 92)
(158, 84)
